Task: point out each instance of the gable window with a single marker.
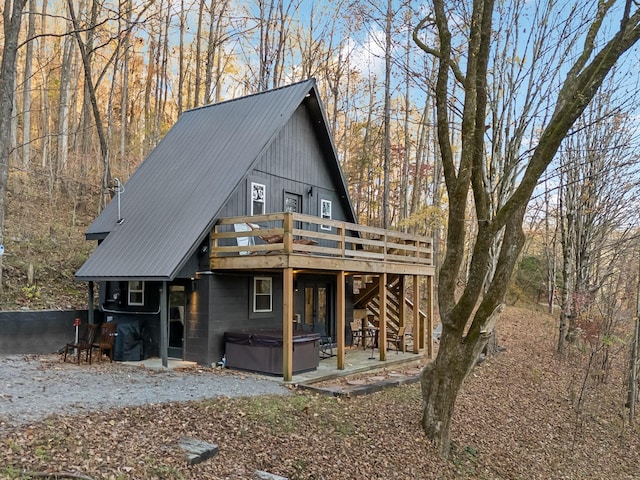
(136, 292)
(262, 294)
(325, 212)
(258, 198)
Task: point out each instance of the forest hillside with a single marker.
(44, 246)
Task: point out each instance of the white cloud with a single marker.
(367, 56)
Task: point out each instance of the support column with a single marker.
(430, 317)
(340, 320)
(164, 326)
(287, 324)
(382, 333)
(416, 314)
(402, 310)
(90, 307)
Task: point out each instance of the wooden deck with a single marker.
(293, 240)
(291, 243)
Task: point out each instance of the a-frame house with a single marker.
(240, 221)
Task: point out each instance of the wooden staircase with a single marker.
(367, 297)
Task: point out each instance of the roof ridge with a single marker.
(310, 80)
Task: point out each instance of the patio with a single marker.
(358, 360)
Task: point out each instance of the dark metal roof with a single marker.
(170, 203)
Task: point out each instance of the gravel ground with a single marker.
(34, 387)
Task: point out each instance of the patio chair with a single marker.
(244, 241)
(106, 340)
(86, 337)
(326, 343)
(356, 333)
(398, 339)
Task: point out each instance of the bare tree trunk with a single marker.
(387, 117)
(63, 109)
(104, 146)
(198, 60)
(404, 184)
(181, 66)
(11, 16)
(148, 86)
(44, 93)
(26, 97)
(124, 98)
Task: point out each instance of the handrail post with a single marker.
(214, 241)
(341, 242)
(287, 236)
(386, 246)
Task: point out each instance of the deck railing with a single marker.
(294, 233)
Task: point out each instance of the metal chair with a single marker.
(326, 342)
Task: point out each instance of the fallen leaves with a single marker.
(514, 419)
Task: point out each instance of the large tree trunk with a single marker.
(441, 382)
(465, 327)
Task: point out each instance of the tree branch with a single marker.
(457, 73)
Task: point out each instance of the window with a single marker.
(262, 292)
(325, 212)
(136, 292)
(258, 198)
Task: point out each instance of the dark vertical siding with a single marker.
(231, 309)
(295, 163)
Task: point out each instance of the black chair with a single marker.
(326, 342)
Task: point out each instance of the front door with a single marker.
(292, 202)
(177, 302)
(317, 307)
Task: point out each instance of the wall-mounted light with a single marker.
(310, 191)
(194, 284)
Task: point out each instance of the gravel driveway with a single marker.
(34, 387)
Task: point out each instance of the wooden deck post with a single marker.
(416, 315)
(382, 333)
(402, 294)
(287, 324)
(430, 316)
(402, 310)
(287, 236)
(340, 327)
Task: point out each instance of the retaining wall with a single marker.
(39, 332)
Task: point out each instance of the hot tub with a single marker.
(261, 351)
